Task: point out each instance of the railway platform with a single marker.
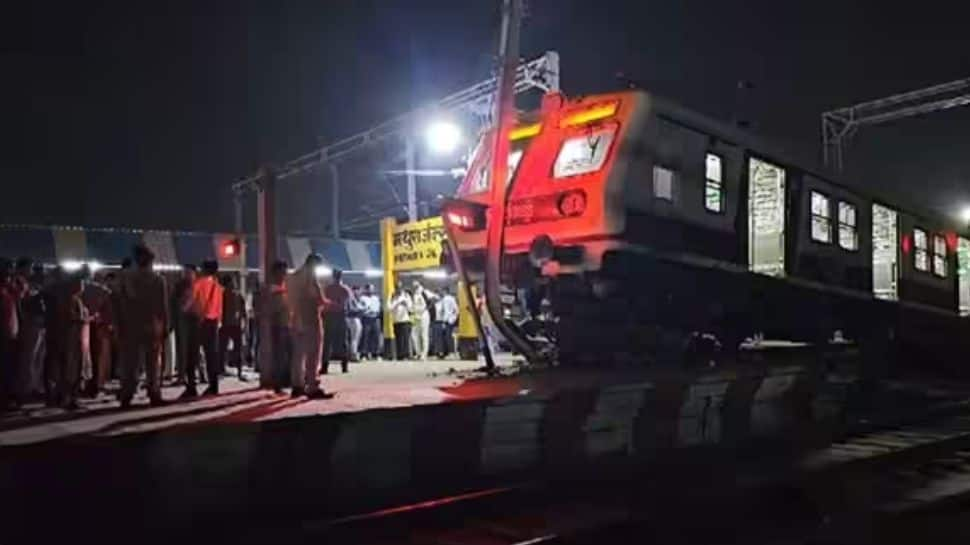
(405, 432)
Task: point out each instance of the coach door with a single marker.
(885, 253)
(766, 218)
(963, 272)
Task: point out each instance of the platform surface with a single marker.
(368, 385)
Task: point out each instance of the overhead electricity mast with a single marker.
(838, 126)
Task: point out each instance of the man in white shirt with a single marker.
(421, 334)
(371, 324)
(446, 317)
(400, 306)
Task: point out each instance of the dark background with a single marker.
(141, 114)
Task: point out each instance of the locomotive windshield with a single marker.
(478, 170)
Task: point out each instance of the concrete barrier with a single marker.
(332, 465)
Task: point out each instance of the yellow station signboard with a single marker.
(417, 244)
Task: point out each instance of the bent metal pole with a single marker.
(504, 119)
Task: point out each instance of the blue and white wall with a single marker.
(58, 245)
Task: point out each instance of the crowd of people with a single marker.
(308, 326)
(65, 335)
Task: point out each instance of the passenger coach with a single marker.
(649, 224)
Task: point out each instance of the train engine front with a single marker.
(567, 167)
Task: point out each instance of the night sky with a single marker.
(142, 114)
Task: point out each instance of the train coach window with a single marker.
(663, 183)
(921, 250)
(821, 218)
(583, 154)
(848, 233)
(939, 256)
(713, 189)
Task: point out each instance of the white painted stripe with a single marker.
(70, 244)
(299, 249)
(162, 244)
(510, 436)
(359, 256)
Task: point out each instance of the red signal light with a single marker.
(230, 248)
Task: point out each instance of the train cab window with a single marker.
(583, 154)
(821, 218)
(713, 184)
(848, 233)
(921, 250)
(939, 256)
(480, 182)
(663, 183)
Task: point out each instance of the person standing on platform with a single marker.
(306, 301)
(421, 301)
(9, 334)
(75, 323)
(370, 323)
(254, 302)
(233, 321)
(335, 334)
(54, 292)
(97, 298)
(31, 365)
(144, 300)
(355, 327)
(181, 320)
(446, 314)
(400, 308)
(204, 311)
(120, 323)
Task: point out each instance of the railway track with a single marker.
(843, 493)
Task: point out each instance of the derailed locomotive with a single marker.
(645, 225)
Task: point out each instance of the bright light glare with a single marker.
(162, 267)
(443, 137)
(966, 214)
(95, 266)
(373, 273)
(321, 271)
(71, 265)
(435, 274)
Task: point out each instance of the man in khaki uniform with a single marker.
(306, 300)
(144, 298)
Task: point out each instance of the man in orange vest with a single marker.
(203, 312)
